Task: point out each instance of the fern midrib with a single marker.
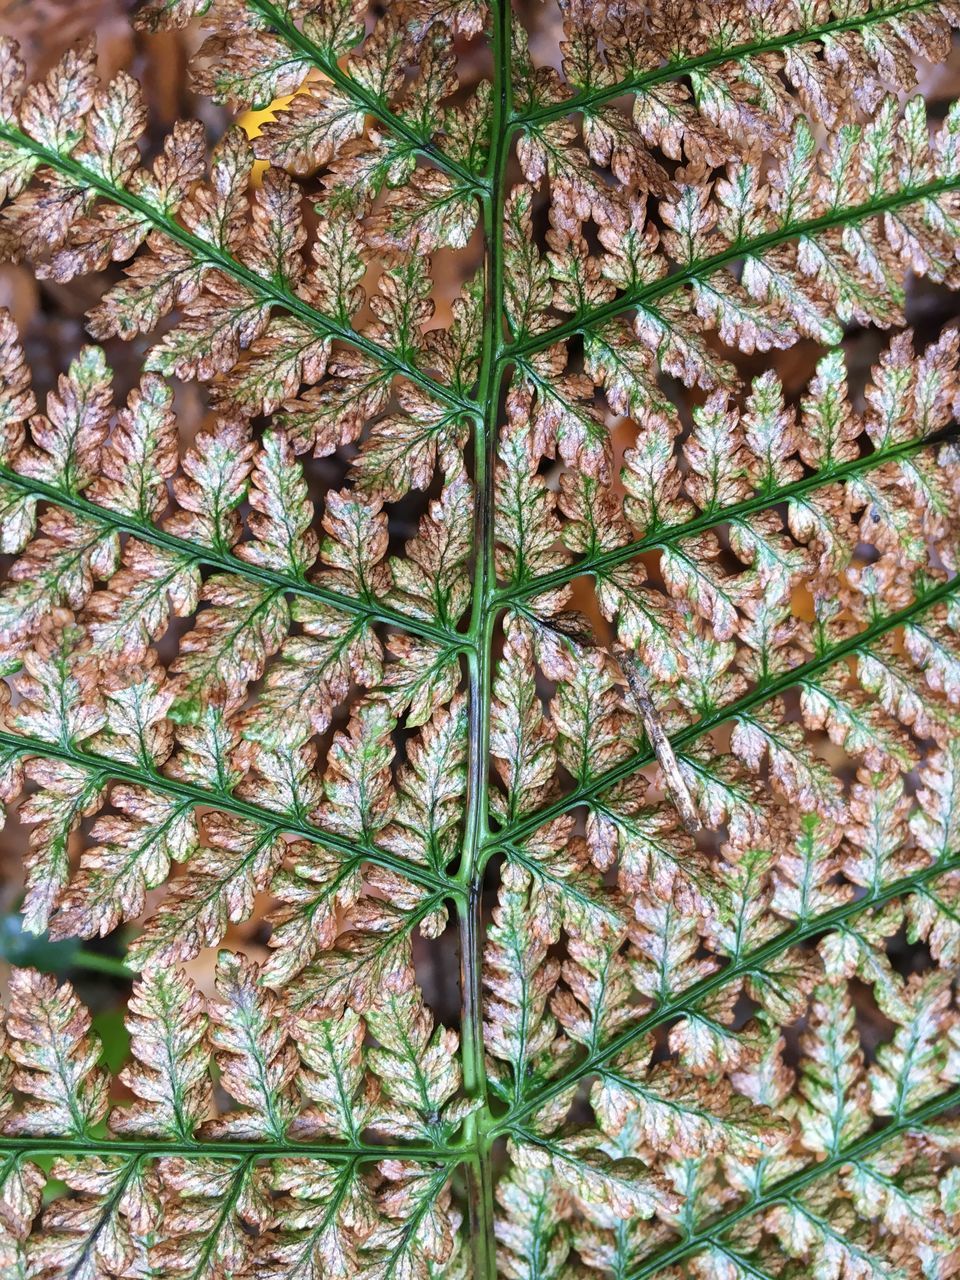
(317, 1230)
(424, 1206)
(788, 1187)
(568, 888)
(747, 1267)
(754, 961)
(228, 1202)
(587, 99)
(479, 1173)
(755, 697)
(214, 256)
(667, 535)
(707, 266)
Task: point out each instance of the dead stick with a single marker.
(676, 786)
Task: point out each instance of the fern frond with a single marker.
(550, 603)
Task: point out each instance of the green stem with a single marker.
(94, 962)
(692, 733)
(706, 266)
(356, 850)
(158, 1148)
(375, 610)
(482, 620)
(667, 535)
(358, 93)
(787, 1188)
(756, 961)
(268, 289)
(588, 99)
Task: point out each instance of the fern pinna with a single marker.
(661, 707)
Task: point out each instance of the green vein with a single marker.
(375, 610)
(480, 1196)
(158, 1147)
(707, 266)
(787, 1188)
(587, 99)
(270, 290)
(372, 104)
(272, 821)
(211, 1237)
(755, 961)
(758, 695)
(88, 1257)
(666, 535)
